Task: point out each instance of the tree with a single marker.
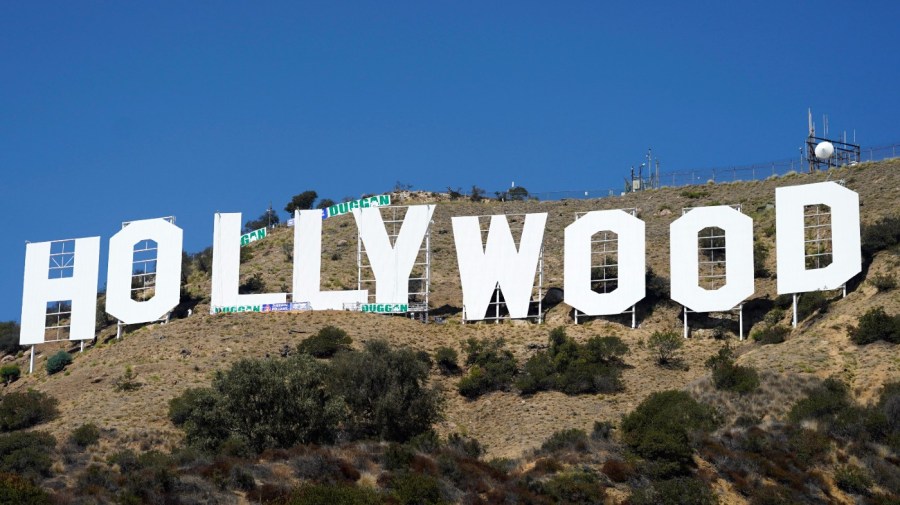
(262, 403)
(477, 194)
(325, 203)
(385, 391)
(302, 201)
(268, 218)
(517, 193)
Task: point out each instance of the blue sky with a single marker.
(115, 111)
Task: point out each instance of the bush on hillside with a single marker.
(149, 477)
(852, 479)
(579, 487)
(677, 491)
(26, 453)
(21, 491)
(876, 325)
(58, 362)
(24, 410)
(491, 367)
(727, 376)
(883, 234)
(265, 403)
(566, 440)
(883, 282)
(10, 373)
(811, 302)
(385, 392)
(447, 360)
(326, 342)
(823, 402)
(659, 429)
(344, 494)
(594, 367)
(665, 344)
(85, 435)
(771, 334)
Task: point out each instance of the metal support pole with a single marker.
(497, 305)
(575, 311)
(844, 287)
(633, 317)
(82, 347)
(685, 322)
(118, 330)
(741, 323)
(794, 321)
(31, 361)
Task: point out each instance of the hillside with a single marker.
(168, 359)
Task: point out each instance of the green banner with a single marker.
(363, 203)
(385, 308)
(253, 236)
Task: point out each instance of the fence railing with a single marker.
(758, 171)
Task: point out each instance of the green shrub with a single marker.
(665, 344)
(852, 479)
(10, 373)
(146, 478)
(571, 439)
(594, 367)
(385, 392)
(581, 487)
(58, 362)
(881, 235)
(771, 334)
(810, 303)
(26, 454)
(23, 410)
(126, 382)
(883, 282)
(602, 430)
(464, 445)
(876, 325)
(416, 489)
(269, 403)
(823, 402)
(447, 360)
(18, 490)
(326, 343)
(728, 376)
(677, 491)
(659, 429)
(492, 367)
(85, 435)
(336, 494)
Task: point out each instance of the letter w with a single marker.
(481, 268)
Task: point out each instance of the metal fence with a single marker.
(758, 171)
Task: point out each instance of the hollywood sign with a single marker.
(482, 266)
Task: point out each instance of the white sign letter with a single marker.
(685, 259)
(80, 288)
(226, 270)
(631, 258)
(392, 265)
(846, 259)
(482, 268)
(166, 294)
(308, 266)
